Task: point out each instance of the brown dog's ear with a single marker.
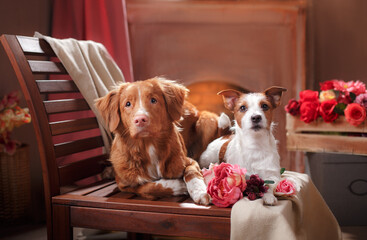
(174, 94)
(275, 94)
(230, 98)
(108, 106)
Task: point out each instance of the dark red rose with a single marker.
(327, 85)
(308, 96)
(327, 110)
(343, 98)
(355, 114)
(251, 196)
(309, 111)
(292, 107)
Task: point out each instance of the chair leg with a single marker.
(61, 223)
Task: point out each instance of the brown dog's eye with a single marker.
(128, 104)
(153, 100)
(243, 108)
(265, 106)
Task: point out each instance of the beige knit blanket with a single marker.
(93, 70)
(304, 216)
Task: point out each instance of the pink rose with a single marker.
(285, 188)
(208, 174)
(227, 185)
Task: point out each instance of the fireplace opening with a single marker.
(204, 96)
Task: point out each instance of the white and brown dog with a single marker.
(148, 153)
(252, 145)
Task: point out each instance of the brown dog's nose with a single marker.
(141, 120)
(256, 118)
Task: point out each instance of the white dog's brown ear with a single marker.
(275, 94)
(230, 98)
(108, 106)
(174, 94)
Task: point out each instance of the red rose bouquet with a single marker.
(11, 116)
(335, 98)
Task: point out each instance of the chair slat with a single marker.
(93, 187)
(35, 46)
(65, 105)
(123, 195)
(81, 169)
(46, 67)
(74, 125)
(63, 149)
(56, 86)
(105, 192)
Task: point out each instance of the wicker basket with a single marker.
(15, 194)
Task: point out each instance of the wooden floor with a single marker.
(38, 232)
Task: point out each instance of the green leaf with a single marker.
(339, 108)
(352, 96)
(269, 182)
(282, 170)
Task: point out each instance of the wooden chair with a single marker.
(98, 205)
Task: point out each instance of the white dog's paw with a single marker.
(197, 190)
(269, 199)
(202, 199)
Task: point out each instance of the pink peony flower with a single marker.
(227, 185)
(356, 87)
(285, 188)
(362, 100)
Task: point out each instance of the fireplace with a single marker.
(214, 45)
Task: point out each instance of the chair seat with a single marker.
(104, 206)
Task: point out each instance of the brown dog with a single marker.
(148, 153)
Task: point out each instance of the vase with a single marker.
(15, 194)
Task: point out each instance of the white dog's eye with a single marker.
(243, 108)
(265, 106)
(128, 104)
(153, 100)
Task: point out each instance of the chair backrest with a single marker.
(69, 141)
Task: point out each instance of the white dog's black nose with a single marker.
(256, 118)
